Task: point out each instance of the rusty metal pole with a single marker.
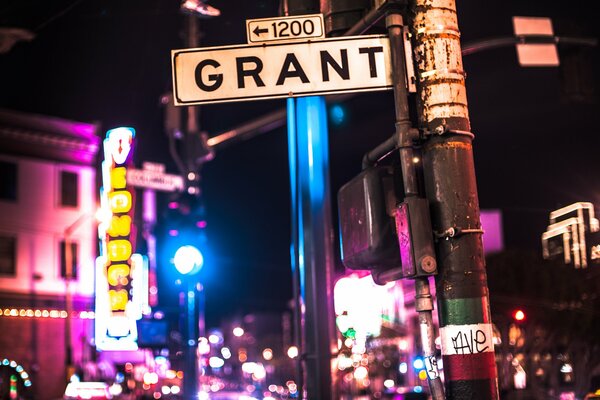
(449, 174)
(405, 136)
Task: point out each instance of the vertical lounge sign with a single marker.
(119, 272)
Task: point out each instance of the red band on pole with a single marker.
(459, 367)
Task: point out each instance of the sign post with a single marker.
(283, 60)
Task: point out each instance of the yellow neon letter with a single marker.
(118, 250)
(117, 177)
(118, 299)
(119, 226)
(120, 202)
(118, 274)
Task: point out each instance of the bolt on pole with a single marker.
(449, 175)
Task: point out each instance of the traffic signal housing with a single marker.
(517, 330)
(378, 232)
(368, 237)
(183, 237)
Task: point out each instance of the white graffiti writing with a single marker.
(431, 366)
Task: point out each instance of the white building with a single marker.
(47, 186)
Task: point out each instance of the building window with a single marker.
(69, 189)
(8, 181)
(7, 256)
(74, 260)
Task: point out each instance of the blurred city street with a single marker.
(299, 199)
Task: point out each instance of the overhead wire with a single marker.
(57, 15)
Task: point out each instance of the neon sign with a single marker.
(119, 272)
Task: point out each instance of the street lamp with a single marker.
(199, 9)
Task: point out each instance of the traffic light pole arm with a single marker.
(276, 119)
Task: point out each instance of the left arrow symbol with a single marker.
(257, 31)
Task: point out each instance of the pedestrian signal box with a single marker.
(378, 232)
(368, 237)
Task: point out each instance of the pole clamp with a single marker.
(455, 231)
(443, 130)
(423, 303)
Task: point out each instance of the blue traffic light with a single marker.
(183, 239)
(188, 260)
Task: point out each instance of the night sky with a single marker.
(536, 148)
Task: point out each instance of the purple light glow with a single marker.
(491, 223)
(51, 124)
(149, 206)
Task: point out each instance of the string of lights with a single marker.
(20, 370)
(36, 313)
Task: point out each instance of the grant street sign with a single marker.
(281, 69)
(285, 28)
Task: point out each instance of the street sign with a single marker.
(285, 28)
(150, 179)
(276, 70)
(536, 54)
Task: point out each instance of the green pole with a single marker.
(449, 174)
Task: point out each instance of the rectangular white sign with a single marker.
(276, 70)
(285, 28)
(154, 180)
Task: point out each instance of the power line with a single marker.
(57, 15)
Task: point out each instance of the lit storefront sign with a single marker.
(120, 274)
(375, 307)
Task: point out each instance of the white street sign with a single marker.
(285, 28)
(276, 70)
(535, 54)
(150, 179)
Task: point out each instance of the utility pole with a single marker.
(189, 149)
(189, 159)
(450, 186)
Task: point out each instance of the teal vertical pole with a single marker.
(312, 241)
(295, 245)
(190, 373)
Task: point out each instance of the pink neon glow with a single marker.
(491, 223)
(201, 224)
(173, 205)
(173, 232)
